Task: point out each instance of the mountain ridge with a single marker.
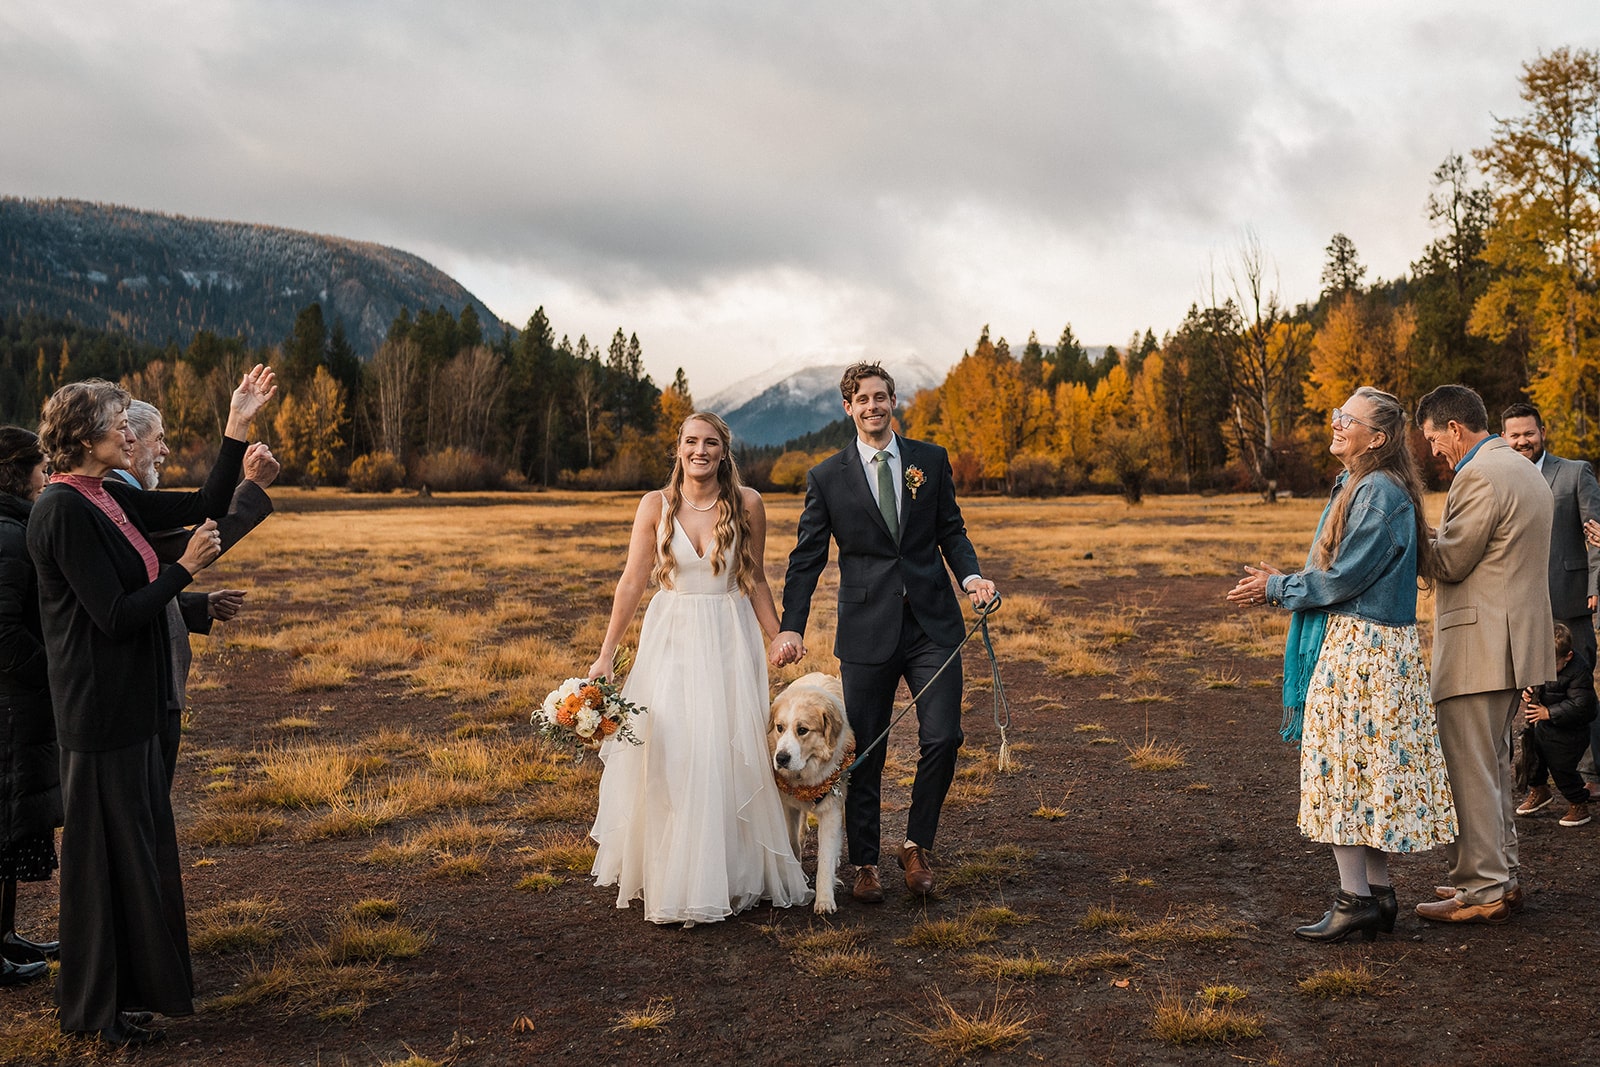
(161, 277)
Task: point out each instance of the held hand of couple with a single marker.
(788, 647)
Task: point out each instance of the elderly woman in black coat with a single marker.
(102, 605)
(30, 789)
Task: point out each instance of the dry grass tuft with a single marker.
(1098, 961)
(311, 983)
(472, 865)
(540, 882)
(949, 934)
(988, 865)
(854, 963)
(233, 828)
(571, 851)
(1178, 1024)
(375, 940)
(372, 909)
(304, 777)
(236, 925)
(1221, 680)
(998, 915)
(318, 673)
(1157, 756)
(35, 1038)
(1173, 930)
(1336, 983)
(1011, 968)
(653, 1016)
(997, 1026)
(1112, 918)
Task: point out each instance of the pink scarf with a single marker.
(95, 493)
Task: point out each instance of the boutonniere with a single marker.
(914, 480)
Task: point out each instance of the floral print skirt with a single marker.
(1371, 772)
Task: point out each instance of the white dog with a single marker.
(812, 744)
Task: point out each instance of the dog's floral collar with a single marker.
(813, 794)
(914, 480)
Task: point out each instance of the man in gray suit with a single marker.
(1574, 566)
(1492, 638)
(192, 612)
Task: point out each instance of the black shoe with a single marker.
(1350, 914)
(137, 1018)
(1388, 907)
(18, 949)
(18, 973)
(126, 1033)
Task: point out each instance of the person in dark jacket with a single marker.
(30, 783)
(102, 609)
(1559, 714)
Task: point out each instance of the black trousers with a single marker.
(124, 938)
(1556, 753)
(869, 701)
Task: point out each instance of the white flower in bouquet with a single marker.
(588, 719)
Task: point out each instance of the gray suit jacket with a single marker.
(1574, 567)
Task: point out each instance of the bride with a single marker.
(689, 820)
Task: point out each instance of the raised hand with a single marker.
(260, 465)
(258, 386)
(204, 548)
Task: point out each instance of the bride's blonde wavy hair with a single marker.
(733, 521)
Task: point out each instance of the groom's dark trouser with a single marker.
(869, 701)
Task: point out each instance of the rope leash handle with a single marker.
(981, 623)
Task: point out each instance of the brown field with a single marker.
(384, 867)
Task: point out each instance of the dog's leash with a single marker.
(1001, 721)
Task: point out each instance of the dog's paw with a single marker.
(825, 904)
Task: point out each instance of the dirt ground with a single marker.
(517, 977)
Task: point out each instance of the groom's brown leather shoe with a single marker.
(868, 889)
(1453, 911)
(919, 876)
(1514, 899)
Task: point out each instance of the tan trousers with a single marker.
(1475, 737)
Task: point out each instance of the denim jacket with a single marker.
(1374, 574)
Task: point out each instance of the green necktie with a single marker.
(886, 495)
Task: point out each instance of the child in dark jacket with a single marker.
(1559, 714)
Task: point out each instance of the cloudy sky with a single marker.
(749, 184)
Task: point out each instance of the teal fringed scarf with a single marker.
(1300, 652)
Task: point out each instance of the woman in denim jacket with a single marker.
(1355, 684)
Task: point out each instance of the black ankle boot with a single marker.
(18, 973)
(18, 949)
(1388, 907)
(1350, 914)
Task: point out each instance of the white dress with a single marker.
(690, 821)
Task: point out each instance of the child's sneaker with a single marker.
(1577, 815)
(1539, 798)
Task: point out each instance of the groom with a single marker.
(890, 503)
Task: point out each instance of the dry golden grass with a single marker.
(1179, 1024)
(311, 983)
(858, 964)
(997, 967)
(539, 882)
(472, 865)
(1336, 983)
(233, 828)
(372, 909)
(34, 1038)
(1174, 930)
(987, 866)
(236, 925)
(1097, 961)
(556, 805)
(1112, 918)
(375, 940)
(653, 1016)
(573, 851)
(1213, 995)
(997, 1025)
(305, 776)
(949, 934)
(1156, 756)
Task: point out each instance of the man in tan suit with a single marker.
(1492, 637)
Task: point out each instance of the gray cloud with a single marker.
(677, 147)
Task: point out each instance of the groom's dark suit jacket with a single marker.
(873, 570)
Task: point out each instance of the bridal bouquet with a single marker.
(582, 713)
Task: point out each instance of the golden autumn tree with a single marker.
(310, 429)
(1361, 344)
(1544, 167)
(981, 408)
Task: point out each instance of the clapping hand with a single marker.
(1252, 588)
(205, 545)
(260, 465)
(258, 386)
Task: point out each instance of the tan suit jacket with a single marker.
(1493, 627)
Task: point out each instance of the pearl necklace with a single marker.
(697, 507)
